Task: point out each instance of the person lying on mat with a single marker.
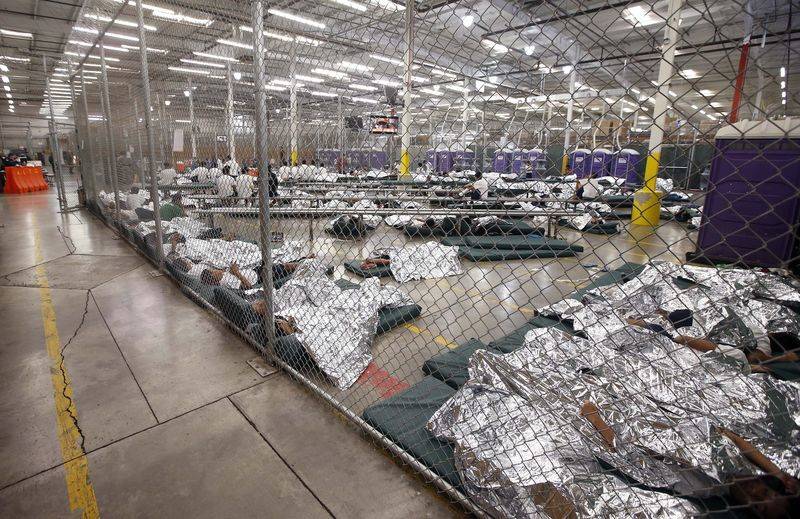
(371, 263)
(478, 189)
(283, 325)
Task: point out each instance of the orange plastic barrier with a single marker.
(24, 179)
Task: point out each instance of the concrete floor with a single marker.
(99, 354)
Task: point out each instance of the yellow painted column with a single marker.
(647, 200)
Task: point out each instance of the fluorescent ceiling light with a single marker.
(149, 49)
(706, 92)
(355, 66)
(330, 73)
(365, 100)
(7, 88)
(202, 63)
(284, 82)
(430, 91)
(277, 35)
(121, 36)
(310, 79)
(119, 21)
(387, 59)
(689, 73)
(274, 88)
(636, 90)
(216, 56)
(365, 88)
(90, 56)
(386, 4)
(14, 58)
(783, 84)
(783, 71)
(296, 18)
(86, 29)
(186, 121)
(232, 44)
(639, 15)
(673, 94)
(443, 73)
(457, 88)
(323, 94)
(172, 16)
(190, 70)
(386, 82)
(350, 4)
(497, 48)
(529, 49)
(307, 41)
(15, 34)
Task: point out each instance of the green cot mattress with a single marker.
(402, 419)
(508, 254)
(597, 228)
(508, 227)
(517, 243)
(451, 366)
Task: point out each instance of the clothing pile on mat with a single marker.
(620, 418)
(336, 326)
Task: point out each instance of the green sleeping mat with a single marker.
(514, 340)
(402, 418)
(190, 285)
(293, 353)
(784, 370)
(379, 271)
(616, 200)
(621, 274)
(508, 227)
(451, 366)
(507, 254)
(517, 243)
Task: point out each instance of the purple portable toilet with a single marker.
(518, 158)
(601, 162)
(464, 159)
(579, 162)
(444, 161)
(752, 208)
(502, 161)
(430, 158)
(625, 164)
(538, 162)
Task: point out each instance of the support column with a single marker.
(89, 151)
(573, 79)
(109, 132)
(75, 122)
(55, 148)
(192, 138)
(151, 140)
(405, 122)
(340, 119)
(647, 202)
(229, 115)
(293, 155)
(262, 152)
(138, 138)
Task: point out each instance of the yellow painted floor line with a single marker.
(76, 467)
(438, 339)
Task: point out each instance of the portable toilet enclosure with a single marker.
(518, 158)
(601, 162)
(502, 161)
(537, 161)
(444, 159)
(377, 159)
(752, 208)
(625, 165)
(579, 162)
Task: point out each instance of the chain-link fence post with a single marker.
(264, 177)
(293, 137)
(192, 136)
(405, 121)
(647, 203)
(78, 137)
(55, 148)
(89, 148)
(111, 150)
(151, 144)
(229, 112)
(139, 153)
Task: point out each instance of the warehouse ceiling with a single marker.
(510, 58)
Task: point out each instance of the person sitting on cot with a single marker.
(477, 190)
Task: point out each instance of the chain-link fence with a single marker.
(542, 252)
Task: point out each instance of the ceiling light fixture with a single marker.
(295, 18)
(202, 63)
(190, 70)
(351, 4)
(16, 34)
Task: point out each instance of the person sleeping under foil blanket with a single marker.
(335, 326)
(427, 260)
(217, 262)
(746, 315)
(631, 425)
